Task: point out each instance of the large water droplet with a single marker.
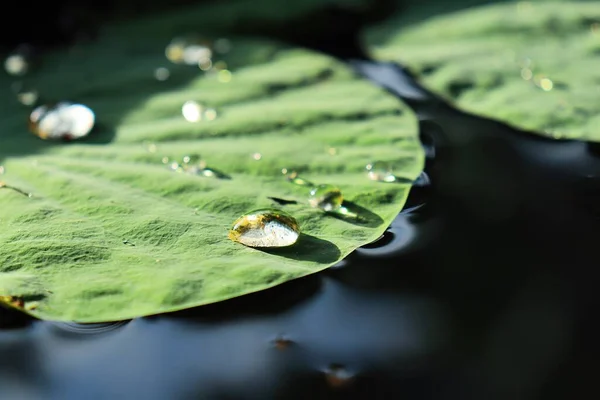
(265, 228)
(63, 120)
(326, 197)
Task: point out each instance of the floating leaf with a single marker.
(112, 233)
(531, 64)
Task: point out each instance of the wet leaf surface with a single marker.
(113, 232)
(531, 64)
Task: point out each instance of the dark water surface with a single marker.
(483, 288)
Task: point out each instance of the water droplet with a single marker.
(526, 74)
(210, 114)
(337, 376)
(381, 171)
(165, 160)
(174, 166)
(265, 228)
(192, 111)
(224, 76)
(205, 64)
(62, 121)
(161, 74)
(326, 197)
(19, 62)
(222, 45)
(188, 51)
(295, 179)
(546, 84)
(212, 173)
(257, 156)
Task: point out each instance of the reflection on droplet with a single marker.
(337, 376)
(257, 156)
(546, 84)
(526, 74)
(326, 197)
(192, 111)
(161, 74)
(222, 45)
(210, 114)
(381, 171)
(265, 228)
(224, 76)
(64, 120)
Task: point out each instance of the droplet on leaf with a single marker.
(161, 74)
(192, 111)
(212, 173)
(326, 197)
(295, 179)
(265, 228)
(188, 51)
(381, 171)
(63, 120)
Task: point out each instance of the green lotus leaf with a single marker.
(110, 232)
(531, 64)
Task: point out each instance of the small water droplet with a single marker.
(265, 228)
(546, 84)
(526, 74)
(63, 120)
(222, 45)
(165, 160)
(295, 179)
(326, 197)
(212, 173)
(224, 76)
(210, 114)
(337, 376)
(381, 171)
(162, 74)
(192, 111)
(188, 50)
(19, 62)
(257, 156)
(205, 64)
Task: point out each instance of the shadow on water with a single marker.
(482, 288)
(308, 248)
